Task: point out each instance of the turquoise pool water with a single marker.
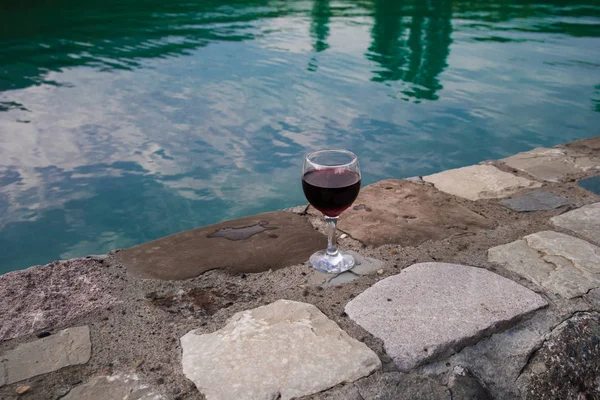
(121, 122)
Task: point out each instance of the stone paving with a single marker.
(538, 200)
(68, 347)
(43, 302)
(563, 264)
(232, 311)
(432, 310)
(296, 349)
(252, 244)
(407, 213)
(552, 165)
(479, 182)
(364, 266)
(117, 387)
(584, 221)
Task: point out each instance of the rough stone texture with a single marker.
(591, 184)
(479, 182)
(585, 146)
(464, 386)
(552, 165)
(253, 244)
(396, 386)
(117, 387)
(566, 366)
(432, 310)
(296, 348)
(594, 297)
(563, 264)
(68, 347)
(584, 221)
(498, 360)
(364, 266)
(538, 200)
(407, 213)
(341, 392)
(37, 298)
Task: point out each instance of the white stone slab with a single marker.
(68, 347)
(479, 182)
(584, 221)
(287, 348)
(432, 310)
(563, 264)
(116, 387)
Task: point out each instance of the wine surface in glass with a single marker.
(331, 191)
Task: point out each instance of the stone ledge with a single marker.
(252, 244)
(432, 310)
(478, 182)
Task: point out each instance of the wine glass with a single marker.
(331, 182)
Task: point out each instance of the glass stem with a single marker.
(332, 249)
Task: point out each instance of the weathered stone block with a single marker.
(287, 349)
(431, 310)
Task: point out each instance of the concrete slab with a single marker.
(552, 165)
(287, 349)
(563, 264)
(432, 310)
(253, 244)
(538, 200)
(407, 213)
(40, 298)
(114, 387)
(584, 221)
(479, 182)
(68, 347)
(591, 184)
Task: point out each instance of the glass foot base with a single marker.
(331, 264)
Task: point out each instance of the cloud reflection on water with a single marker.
(190, 117)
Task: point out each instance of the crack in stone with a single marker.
(544, 339)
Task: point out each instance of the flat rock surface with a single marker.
(407, 213)
(563, 264)
(566, 366)
(364, 266)
(584, 221)
(253, 244)
(591, 184)
(116, 387)
(287, 349)
(552, 165)
(585, 146)
(36, 299)
(538, 200)
(68, 347)
(432, 310)
(479, 182)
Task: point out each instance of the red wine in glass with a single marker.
(331, 182)
(331, 191)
